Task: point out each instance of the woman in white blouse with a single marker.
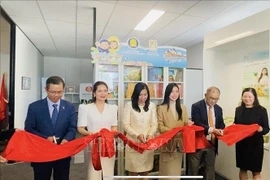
(96, 116)
(140, 124)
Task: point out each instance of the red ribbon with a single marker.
(27, 147)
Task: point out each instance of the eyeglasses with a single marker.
(213, 99)
(56, 92)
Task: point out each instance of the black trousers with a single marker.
(60, 169)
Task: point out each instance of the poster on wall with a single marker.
(256, 68)
(111, 51)
(86, 90)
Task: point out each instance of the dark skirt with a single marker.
(249, 153)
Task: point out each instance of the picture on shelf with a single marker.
(175, 75)
(70, 89)
(155, 74)
(132, 74)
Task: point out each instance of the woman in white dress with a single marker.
(96, 116)
(140, 124)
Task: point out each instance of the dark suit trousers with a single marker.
(60, 168)
(203, 157)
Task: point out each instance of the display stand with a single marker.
(130, 64)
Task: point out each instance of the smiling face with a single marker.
(113, 45)
(174, 94)
(101, 93)
(264, 71)
(248, 99)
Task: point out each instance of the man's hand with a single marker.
(2, 160)
(190, 123)
(50, 138)
(64, 141)
(218, 132)
(141, 138)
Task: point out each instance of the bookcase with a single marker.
(121, 80)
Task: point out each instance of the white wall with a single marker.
(224, 68)
(195, 56)
(29, 63)
(75, 71)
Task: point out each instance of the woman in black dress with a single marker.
(249, 151)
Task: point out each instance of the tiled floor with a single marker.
(23, 171)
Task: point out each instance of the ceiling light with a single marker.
(149, 19)
(232, 38)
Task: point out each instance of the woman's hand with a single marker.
(149, 137)
(260, 129)
(141, 138)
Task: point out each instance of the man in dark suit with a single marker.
(53, 119)
(208, 114)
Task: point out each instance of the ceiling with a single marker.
(65, 28)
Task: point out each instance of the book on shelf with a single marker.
(155, 90)
(155, 74)
(132, 74)
(175, 75)
(130, 89)
(181, 90)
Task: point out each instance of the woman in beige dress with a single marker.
(140, 124)
(171, 114)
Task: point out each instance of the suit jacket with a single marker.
(200, 118)
(38, 120)
(167, 121)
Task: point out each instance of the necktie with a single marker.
(54, 114)
(211, 123)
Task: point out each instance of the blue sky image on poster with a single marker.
(111, 51)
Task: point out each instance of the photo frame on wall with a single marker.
(26, 83)
(70, 89)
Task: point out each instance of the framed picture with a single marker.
(70, 89)
(26, 83)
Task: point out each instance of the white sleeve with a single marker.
(82, 115)
(114, 115)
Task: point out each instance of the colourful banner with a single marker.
(111, 51)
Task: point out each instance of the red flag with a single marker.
(3, 102)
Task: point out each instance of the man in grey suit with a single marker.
(53, 119)
(208, 114)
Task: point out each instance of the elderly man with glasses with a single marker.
(208, 114)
